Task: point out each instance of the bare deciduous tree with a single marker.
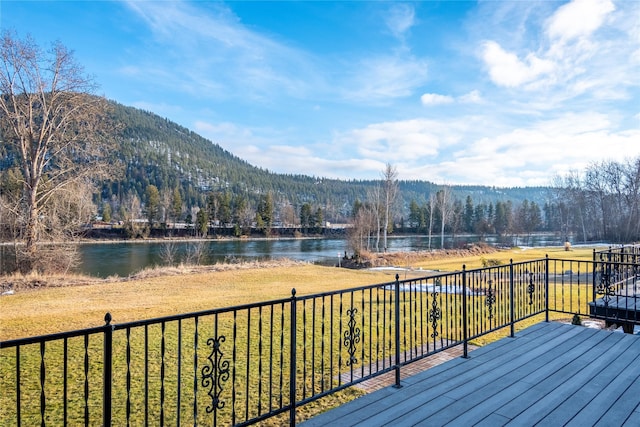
(444, 200)
(391, 191)
(52, 128)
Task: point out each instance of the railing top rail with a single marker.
(202, 313)
(52, 337)
(619, 249)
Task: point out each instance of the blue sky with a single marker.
(491, 93)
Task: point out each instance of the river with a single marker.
(128, 257)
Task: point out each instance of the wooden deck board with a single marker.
(595, 398)
(627, 404)
(520, 380)
(578, 374)
(507, 376)
(541, 398)
(440, 390)
(550, 373)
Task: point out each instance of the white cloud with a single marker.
(472, 97)
(399, 19)
(579, 18)
(403, 142)
(210, 53)
(506, 69)
(435, 99)
(532, 155)
(584, 48)
(385, 77)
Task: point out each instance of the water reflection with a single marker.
(125, 258)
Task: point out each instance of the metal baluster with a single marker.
(370, 329)
(234, 357)
(397, 331)
(128, 380)
(281, 351)
(162, 351)
(146, 375)
(465, 338)
(313, 347)
(403, 313)
(195, 371)
(246, 390)
(18, 391)
(270, 359)
(86, 380)
(259, 361)
(331, 342)
(179, 373)
(378, 328)
(108, 373)
(65, 381)
(43, 400)
(304, 349)
(340, 350)
(512, 302)
(322, 332)
(292, 361)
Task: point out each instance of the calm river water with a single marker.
(125, 258)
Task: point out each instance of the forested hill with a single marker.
(156, 151)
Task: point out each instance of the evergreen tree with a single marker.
(202, 222)
(414, 214)
(318, 220)
(305, 216)
(468, 215)
(152, 204)
(176, 204)
(264, 213)
(106, 212)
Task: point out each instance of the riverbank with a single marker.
(12, 283)
(16, 282)
(47, 304)
(474, 256)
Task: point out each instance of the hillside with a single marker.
(159, 152)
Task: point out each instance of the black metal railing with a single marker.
(244, 364)
(616, 286)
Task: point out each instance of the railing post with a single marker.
(546, 288)
(465, 337)
(107, 370)
(593, 276)
(397, 330)
(292, 361)
(512, 302)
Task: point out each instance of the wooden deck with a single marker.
(549, 374)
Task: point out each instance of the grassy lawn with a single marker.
(47, 310)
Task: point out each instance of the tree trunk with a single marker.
(31, 248)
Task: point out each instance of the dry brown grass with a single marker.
(43, 305)
(37, 311)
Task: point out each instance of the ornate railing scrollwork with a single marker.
(531, 288)
(435, 313)
(215, 373)
(604, 286)
(490, 298)
(351, 337)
